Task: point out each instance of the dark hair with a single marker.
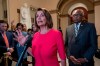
(2, 21)
(29, 30)
(49, 22)
(19, 24)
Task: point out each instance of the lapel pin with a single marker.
(81, 25)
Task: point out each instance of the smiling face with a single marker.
(41, 19)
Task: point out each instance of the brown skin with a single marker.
(3, 28)
(77, 16)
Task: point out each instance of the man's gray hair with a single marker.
(78, 11)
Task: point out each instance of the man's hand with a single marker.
(10, 50)
(74, 60)
(82, 60)
(7, 53)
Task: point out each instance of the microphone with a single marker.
(26, 45)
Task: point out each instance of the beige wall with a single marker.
(54, 18)
(13, 5)
(97, 18)
(91, 18)
(64, 25)
(1, 10)
(97, 21)
(49, 4)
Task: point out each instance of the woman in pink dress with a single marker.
(47, 42)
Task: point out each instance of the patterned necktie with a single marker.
(76, 28)
(6, 40)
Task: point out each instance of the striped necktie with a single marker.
(76, 28)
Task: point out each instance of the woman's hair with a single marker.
(49, 21)
(35, 27)
(19, 24)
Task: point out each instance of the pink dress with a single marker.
(46, 46)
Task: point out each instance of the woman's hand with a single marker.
(63, 63)
(19, 37)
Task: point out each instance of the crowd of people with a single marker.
(79, 47)
(9, 46)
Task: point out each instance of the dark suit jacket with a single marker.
(82, 46)
(3, 47)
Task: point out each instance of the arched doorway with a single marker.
(65, 8)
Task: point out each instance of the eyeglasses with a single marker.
(77, 15)
(3, 26)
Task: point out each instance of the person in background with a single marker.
(12, 26)
(60, 29)
(34, 29)
(29, 31)
(18, 48)
(6, 44)
(32, 32)
(80, 41)
(46, 43)
(24, 28)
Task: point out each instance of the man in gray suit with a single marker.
(80, 41)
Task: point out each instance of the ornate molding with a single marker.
(53, 11)
(64, 15)
(61, 3)
(90, 11)
(97, 3)
(67, 15)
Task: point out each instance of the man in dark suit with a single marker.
(6, 45)
(80, 41)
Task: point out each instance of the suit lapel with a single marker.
(2, 40)
(7, 36)
(72, 30)
(72, 34)
(82, 26)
